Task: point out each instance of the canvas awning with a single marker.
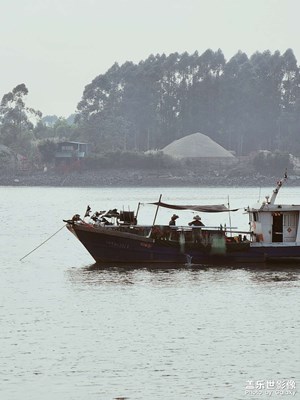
(200, 208)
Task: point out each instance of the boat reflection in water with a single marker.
(116, 237)
(176, 275)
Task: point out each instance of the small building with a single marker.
(71, 154)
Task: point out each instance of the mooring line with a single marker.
(42, 243)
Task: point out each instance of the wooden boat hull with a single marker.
(112, 246)
(273, 236)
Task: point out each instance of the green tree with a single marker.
(47, 149)
(245, 104)
(16, 126)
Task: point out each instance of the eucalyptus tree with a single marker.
(139, 102)
(17, 120)
(251, 101)
(289, 81)
(168, 104)
(288, 121)
(202, 108)
(98, 111)
(268, 73)
(245, 103)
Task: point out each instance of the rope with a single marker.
(42, 243)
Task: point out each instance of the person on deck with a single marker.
(196, 221)
(196, 231)
(173, 220)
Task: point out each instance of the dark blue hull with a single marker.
(279, 252)
(115, 247)
(272, 236)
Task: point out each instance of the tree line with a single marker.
(244, 104)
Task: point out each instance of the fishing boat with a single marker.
(116, 237)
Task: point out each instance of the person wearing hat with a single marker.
(196, 221)
(173, 219)
(196, 232)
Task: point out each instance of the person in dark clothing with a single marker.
(196, 221)
(196, 231)
(173, 220)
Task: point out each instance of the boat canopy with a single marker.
(205, 208)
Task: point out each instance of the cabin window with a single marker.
(290, 219)
(67, 148)
(255, 216)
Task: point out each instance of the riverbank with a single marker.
(140, 178)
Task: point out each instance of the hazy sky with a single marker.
(56, 47)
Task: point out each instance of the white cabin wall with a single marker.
(298, 231)
(262, 227)
(261, 223)
(266, 222)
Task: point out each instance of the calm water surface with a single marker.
(73, 331)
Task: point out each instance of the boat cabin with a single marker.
(275, 223)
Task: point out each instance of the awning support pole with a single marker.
(229, 215)
(137, 211)
(156, 211)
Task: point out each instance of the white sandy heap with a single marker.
(196, 145)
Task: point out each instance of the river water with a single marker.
(71, 330)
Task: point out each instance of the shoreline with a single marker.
(141, 178)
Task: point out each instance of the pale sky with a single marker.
(57, 47)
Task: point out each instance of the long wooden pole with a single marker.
(229, 215)
(156, 211)
(137, 211)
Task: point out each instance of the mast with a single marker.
(276, 190)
